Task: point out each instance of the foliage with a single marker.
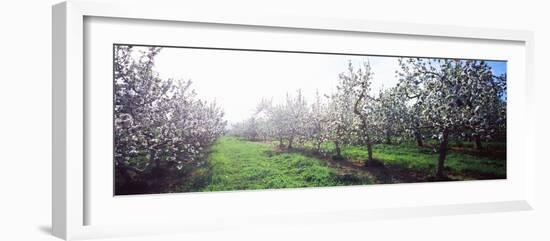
(317, 130)
(162, 131)
(445, 99)
(454, 97)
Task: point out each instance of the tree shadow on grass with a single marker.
(378, 171)
(383, 173)
(354, 172)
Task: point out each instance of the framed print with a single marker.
(282, 121)
(205, 122)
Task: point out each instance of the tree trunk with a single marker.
(281, 142)
(152, 154)
(418, 137)
(388, 139)
(290, 143)
(338, 151)
(442, 155)
(478, 142)
(318, 146)
(369, 149)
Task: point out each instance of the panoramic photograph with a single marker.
(191, 119)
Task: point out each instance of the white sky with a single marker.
(237, 80)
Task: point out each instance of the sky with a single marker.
(238, 80)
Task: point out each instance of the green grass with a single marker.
(237, 164)
(242, 165)
(424, 159)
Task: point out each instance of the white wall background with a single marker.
(25, 123)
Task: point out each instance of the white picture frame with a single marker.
(71, 191)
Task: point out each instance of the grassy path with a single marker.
(235, 164)
(243, 165)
